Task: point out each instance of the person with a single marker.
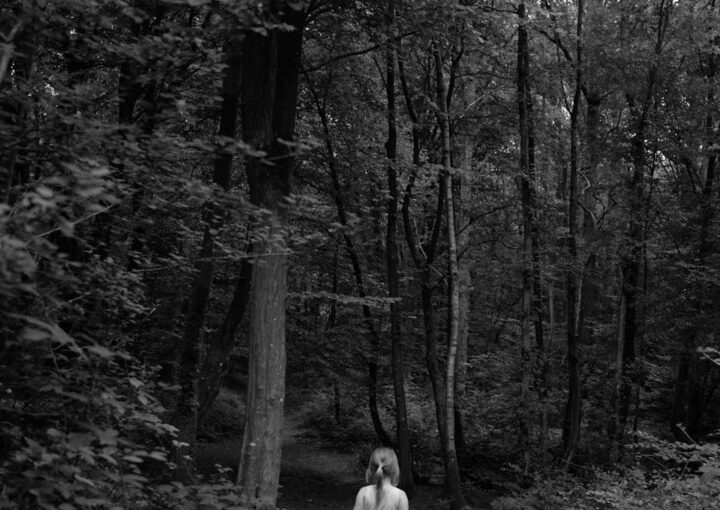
(383, 473)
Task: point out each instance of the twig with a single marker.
(355, 53)
(73, 223)
(9, 47)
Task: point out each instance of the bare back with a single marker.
(392, 498)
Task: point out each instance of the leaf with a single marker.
(79, 440)
(66, 227)
(107, 437)
(157, 455)
(85, 480)
(44, 191)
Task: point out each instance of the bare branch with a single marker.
(355, 53)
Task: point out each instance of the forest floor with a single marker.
(312, 476)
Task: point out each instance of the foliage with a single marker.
(660, 475)
(108, 118)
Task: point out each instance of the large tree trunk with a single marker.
(571, 423)
(269, 97)
(457, 500)
(391, 251)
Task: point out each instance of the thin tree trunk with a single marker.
(590, 296)
(463, 150)
(457, 499)
(17, 60)
(532, 282)
(571, 424)
(185, 415)
(526, 194)
(219, 345)
(391, 252)
(352, 252)
(423, 257)
(687, 405)
(631, 260)
(198, 388)
(214, 364)
(620, 338)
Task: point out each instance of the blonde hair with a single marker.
(383, 463)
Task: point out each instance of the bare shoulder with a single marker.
(361, 500)
(369, 492)
(400, 499)
(363, 492)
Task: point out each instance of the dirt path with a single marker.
(311, 478)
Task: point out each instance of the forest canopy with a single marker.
(481, 232)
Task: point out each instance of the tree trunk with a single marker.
(352, 252)
(214, 363)
(571, 423)
(391, 252)
(423, 257)
(271, 65)
(199, 387)
(185, 416)
(687, 405)
(219, 345)
(16, 63)
(590, 295)
(457, 499)
(463, 157)
(630, 266)
(531, 294)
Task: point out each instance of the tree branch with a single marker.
(355, 53)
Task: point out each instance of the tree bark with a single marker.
(532, 289)
(462, 158)
(688, 402)
(571, 423)
(214, 363)
(424, 256)
(271, 65)
(199, 387)
(185, 416)
(391, 252)
(220, 344)
(352, 252)
(16, 63)
(457, 499)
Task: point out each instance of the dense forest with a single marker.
(481, 232)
